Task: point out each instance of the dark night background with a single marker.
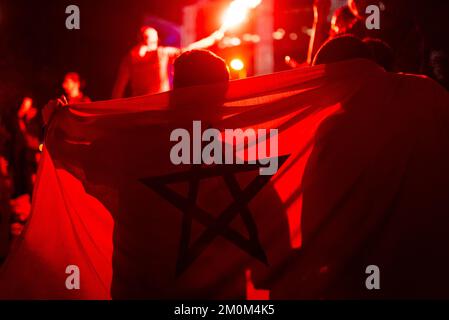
(36, 49)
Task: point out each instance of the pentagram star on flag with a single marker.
(219, 226)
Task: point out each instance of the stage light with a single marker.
(279, 34)
(291, 62)
(233, 18)
(237, 13)
(256, 38)
(234, 41)
(247, 37)
(237, 64)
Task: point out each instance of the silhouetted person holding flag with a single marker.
(163, 248)
(375, 190)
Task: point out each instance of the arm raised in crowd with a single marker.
(320, 30)
(122, 79)
(51, 107)
(200, 44)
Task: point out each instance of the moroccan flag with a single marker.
(131, 201)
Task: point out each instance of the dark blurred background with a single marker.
(36, 49)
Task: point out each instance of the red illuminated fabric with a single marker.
(365, 182)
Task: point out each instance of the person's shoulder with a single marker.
(420, 79)
(422, 87)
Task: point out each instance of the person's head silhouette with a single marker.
(199, 67)
(342, 48)
(382, 53)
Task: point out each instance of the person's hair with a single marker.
(381, 53)
(199, 67)
(343, 16)
(344, 13)
(439, 63)
(141, 36)
(358, 7)
(74, 76)
(341, 48)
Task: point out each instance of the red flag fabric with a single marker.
(362, 180)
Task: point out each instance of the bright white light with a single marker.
(278, 34)
(247, 37)
(237, 12)
(256, 38)
(231, 42)
(237, 64)
(235, 41)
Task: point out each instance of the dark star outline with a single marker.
(214, 226)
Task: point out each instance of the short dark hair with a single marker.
(199, 67)
(382, 53)
(342, 48)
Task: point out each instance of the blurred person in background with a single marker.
(5, 192)
(72, 85)
(433, 25)
(145, 67)
(342, 21)
(398, 28)
(26, 137)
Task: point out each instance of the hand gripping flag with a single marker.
(362, 179)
